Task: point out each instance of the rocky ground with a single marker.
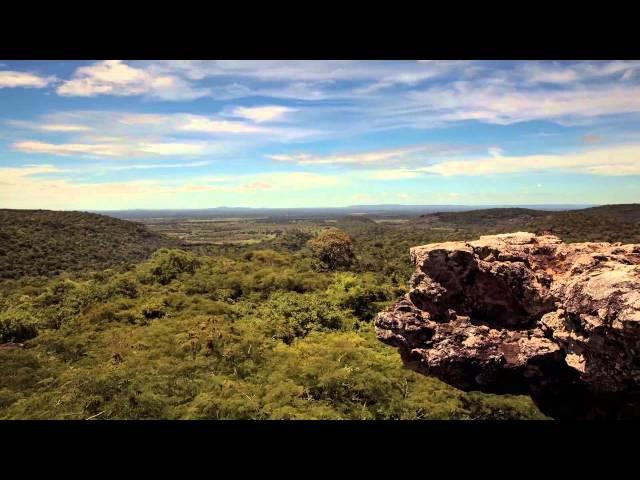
(520, 313)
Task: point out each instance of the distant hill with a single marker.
(484, 217)
(45, 242)
(627, 212)
(612, 223)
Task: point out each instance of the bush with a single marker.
(153, 308)
(16, 330)
(126, 287)
(287, 316)
(364, 295)
(333, 249)
(166, 265)
(117, 311)
(62, 302)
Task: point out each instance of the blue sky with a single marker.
(116, 134)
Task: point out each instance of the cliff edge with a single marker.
(526, 314)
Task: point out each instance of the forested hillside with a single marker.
(45, 242)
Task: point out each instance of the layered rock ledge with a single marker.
(526, 314)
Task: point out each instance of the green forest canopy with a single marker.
(252, 337)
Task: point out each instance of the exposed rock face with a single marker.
(519, 313)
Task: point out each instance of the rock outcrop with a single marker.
(526, 314)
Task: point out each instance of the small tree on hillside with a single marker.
(333, 249)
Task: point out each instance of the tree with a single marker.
(333, 248)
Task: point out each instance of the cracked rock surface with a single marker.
(526, 314)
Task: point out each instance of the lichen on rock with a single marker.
(520, 313)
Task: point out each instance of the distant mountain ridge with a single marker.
(382, 209)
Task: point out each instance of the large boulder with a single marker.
(519, 313)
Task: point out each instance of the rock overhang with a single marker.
(520, 313)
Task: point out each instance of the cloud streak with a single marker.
(370, 158)
(266, 113)
(500, 104)
(612, 161)
(108, 149)
(14, 79)
(114, 77)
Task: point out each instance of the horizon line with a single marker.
(395, 205)
(372, 205)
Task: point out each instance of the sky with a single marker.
(117, 134)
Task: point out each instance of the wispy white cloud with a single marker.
(34, 146)
(171, 148)
(276, 182)
(274, 70)
(148, 166)
(197, 123)
(108, 149)
(506, 104)
(415, 162)
(266, 113)
(495, 152)
(353, 80)
(13, 79)
(307, 79)
(541, 73)
(61, 127)
(168, 124)
(49, 126)
(557, 73)
(392, 174)
(28, 170)
(610, 161)
(376, 157)
(122, 134)
(134, 124)
(114, 77)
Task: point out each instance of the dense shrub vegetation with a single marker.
(256, 336)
